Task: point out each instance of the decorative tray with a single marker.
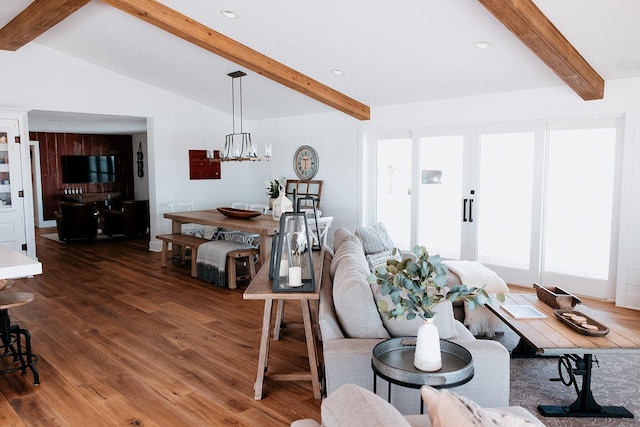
(238, 213)
(556, 297)
(393, 358)
(581, 322)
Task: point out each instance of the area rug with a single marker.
(54, 237)
(615, 381)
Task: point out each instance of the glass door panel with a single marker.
(393, 189)
(579, 208)
(505, 199)
(440, 194)
(5, 181)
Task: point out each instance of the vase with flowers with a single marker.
(273, 187)
(415, 287)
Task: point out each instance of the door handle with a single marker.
(470, 210)
(464, 210)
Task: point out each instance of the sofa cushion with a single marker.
(401, 327)
(353, 406)
(341, 236)
(327, 319)
(446, 408)
(352, 297)
(374, 238)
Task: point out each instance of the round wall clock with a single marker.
(306, 162)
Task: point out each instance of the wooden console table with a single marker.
(260, 288)
(549, 336)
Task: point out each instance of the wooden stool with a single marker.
(232, 258)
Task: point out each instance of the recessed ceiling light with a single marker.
(629, 65)
(337, 72)
(229, 14)
(482, 45)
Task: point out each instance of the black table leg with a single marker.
(585, 405)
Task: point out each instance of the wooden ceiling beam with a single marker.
(537, 32)
(36, 19)
(194, 32)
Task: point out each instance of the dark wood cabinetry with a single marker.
(55, 145)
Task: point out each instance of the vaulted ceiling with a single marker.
(409, 51)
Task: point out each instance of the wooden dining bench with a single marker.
(184, 240)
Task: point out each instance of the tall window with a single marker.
(580, 197)
(533, 201)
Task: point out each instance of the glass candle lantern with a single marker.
(292, 258)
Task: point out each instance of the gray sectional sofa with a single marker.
(351, 326)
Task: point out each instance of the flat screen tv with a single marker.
(88, 169)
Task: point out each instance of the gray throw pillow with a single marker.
(374, 238)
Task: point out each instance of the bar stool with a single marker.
(246, 256)
(12, 337)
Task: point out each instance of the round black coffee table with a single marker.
(392, 360)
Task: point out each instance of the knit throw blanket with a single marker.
(480, 321)
(212, 259)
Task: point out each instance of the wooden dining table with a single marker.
(264, 225)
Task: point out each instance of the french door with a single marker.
(534, 202)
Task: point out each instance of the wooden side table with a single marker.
(12, 336)
(260, 288)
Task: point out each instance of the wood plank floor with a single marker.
(123, 342)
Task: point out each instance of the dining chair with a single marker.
(190, 229)
(260, 207)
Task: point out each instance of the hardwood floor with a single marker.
(123, 342)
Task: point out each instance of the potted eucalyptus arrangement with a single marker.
(415, 287)
(273, 187)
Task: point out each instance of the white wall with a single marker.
(339, 142)
(36, 77)
(39, 78)
(140, 184)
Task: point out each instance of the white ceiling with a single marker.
(391, 53)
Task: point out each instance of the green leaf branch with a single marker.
(416, 287)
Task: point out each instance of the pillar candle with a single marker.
(295, 276)
(284, 268)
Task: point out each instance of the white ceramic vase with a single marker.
(427, 357)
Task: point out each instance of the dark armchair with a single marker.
(132, 220)
(76, 221)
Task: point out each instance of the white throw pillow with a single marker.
(446, 409)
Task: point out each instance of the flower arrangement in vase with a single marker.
(415, 287)
(273, 187)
